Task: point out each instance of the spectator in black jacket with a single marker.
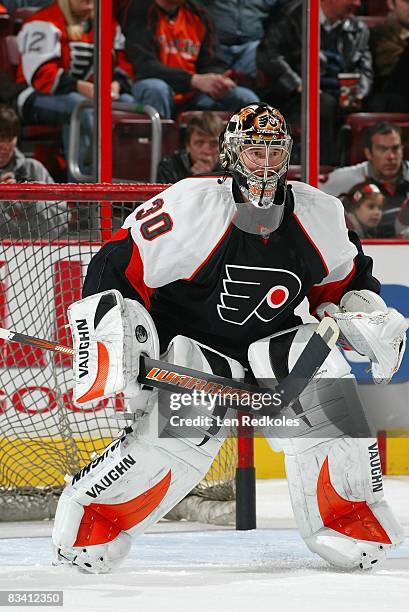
(201, 152)
(344, 49)
(171, 45)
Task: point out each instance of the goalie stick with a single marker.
(174, 378)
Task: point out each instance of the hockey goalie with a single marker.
(208, 275)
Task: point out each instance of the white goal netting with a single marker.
(43, 436)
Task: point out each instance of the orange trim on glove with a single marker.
(98, 386)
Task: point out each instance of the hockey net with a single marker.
(45, 248)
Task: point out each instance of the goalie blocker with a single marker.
(109, 335)
(335, 482)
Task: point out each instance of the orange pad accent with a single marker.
(98, 386)
(102, 523)
(353, 519)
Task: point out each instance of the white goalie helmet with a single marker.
(256, 147)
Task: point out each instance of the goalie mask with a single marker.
(256, 147)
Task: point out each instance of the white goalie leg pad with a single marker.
(337, 497)
(138, 478)
(99, 558)
(109, 335)
(335, 481)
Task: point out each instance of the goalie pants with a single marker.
(334, 480)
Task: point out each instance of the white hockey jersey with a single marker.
(200, 276)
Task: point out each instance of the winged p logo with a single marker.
(262, 292)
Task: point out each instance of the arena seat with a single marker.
(131, 145)
(9, 56)
(376, 7)
(184, 117)
(372, 20)
(294, 172)
(351, 134)
(5, 24)
(21, 14)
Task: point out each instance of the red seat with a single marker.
(372, 20)
(376, 7)
(21, 14)
(294, 172)
(5, 24)
(9, 56)
(186, 116)
(131, 145)
(351, 134)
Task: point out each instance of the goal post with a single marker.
(48, 235)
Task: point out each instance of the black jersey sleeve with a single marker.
(357, 275)
(118, 265)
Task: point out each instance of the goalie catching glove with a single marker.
(371, 329)
(109, 333)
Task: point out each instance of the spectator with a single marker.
(363, 209)
(384, 167)
(171, 46)
(344, 49)
(25, 219)
(56, 46)
(201, 153)
(390, 49)
(240, 27)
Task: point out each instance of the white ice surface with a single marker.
(181, 567)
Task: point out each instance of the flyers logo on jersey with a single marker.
(261, 292)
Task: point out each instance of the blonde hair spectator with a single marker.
(75, 19)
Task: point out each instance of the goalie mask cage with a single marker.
(48, 234)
